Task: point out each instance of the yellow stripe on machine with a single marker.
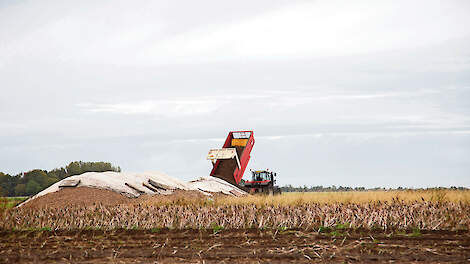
(241, 142)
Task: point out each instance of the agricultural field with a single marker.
(9, 202)
(384, 226)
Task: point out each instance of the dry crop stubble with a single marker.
(298, 198)
(378, 215)
(395, 210)
(364, 227)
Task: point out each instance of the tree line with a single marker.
(34, 181)
(333, 188)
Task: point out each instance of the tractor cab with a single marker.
(262, 181)
(262, 177)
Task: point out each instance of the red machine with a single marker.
(231, 161)
(262, 181)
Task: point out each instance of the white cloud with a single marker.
(181, 106)
(321, 28)
(105, 33)
(173, 107)
(365, 135)
(389, 111)
(160, 108)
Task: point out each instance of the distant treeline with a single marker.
(290, 188)
(32, 182)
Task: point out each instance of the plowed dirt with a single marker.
(86, 196)
(231, 246)
(83, 196)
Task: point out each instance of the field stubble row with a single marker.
(312, 211)
(355, 197)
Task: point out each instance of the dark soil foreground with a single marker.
(231, 246)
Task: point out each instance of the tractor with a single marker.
(229, 164)
(262, 181)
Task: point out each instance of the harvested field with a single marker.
(204, 213)
(366, 197)
(177, 197)
(187, 226)
(232, 246)
(9, 202)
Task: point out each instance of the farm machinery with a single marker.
(230, 162)
(262, 181)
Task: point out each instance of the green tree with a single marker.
(32, 187)
(4, 178)
(8, 183)
(59, 173)
(20, 190)
(74, 168)
(51, 179)
(39, 176)
(79, 167)
(26, 183)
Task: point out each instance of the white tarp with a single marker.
(216, 185)
(134, 184)
(128, 184)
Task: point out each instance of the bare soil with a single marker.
(231, 246)
(86, 196)
(80, 196)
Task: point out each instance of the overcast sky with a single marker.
(351, 93)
